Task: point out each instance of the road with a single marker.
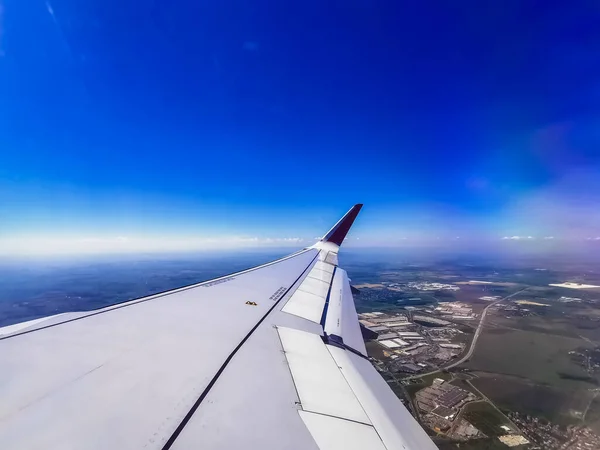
(588, 406)
(473, 342)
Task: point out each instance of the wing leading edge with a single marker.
(271, 357)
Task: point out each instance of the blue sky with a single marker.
(244, 122)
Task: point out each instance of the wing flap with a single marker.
(333, 433)
(394, 424)
(341, 318)
(324, 266)
(306, 305)
(321, 386)
(315, 286)
(321, 275)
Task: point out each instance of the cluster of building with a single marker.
(412, 342)
(456, 311)
(440, 404)
(393, 331)
(442, 399)
(384, 324)
(587, 358)
(513, 310)
(427, 286)
(549, 436)
(443, 334)
(430, 321)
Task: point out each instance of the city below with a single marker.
(428, 339)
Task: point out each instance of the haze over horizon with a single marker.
(185, 126)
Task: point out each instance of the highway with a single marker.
(473, 342)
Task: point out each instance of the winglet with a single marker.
(339, 231)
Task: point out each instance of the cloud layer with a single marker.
(123, 244)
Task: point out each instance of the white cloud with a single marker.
(547, 238)
(597, 238)
(50, 245)
(517, 238)
(281, 240)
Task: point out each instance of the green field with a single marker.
(562, 319)
(519, 394)
(464, 385)
(486, 418)
(527, 368)
(540, 357)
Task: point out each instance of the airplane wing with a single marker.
(268, 358)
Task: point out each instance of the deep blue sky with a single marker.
(269, 119)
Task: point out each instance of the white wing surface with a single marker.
(268, 358)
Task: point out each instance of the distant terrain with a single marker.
(32, 288)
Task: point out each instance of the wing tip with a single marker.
(339, 231)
